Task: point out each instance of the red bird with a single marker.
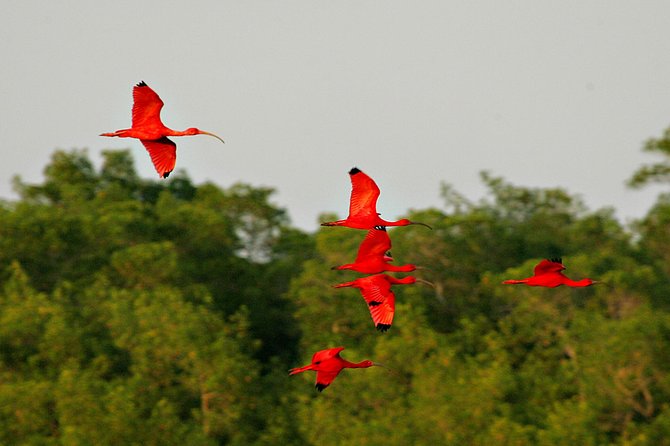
(328, 364)
(376, 291)
(148, 128)
(548, 273)
(373, 255)
(363, 205)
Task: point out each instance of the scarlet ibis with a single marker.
(376, 290)
(148, 128)
(328, 364)
(373, 255)
(548, 273)
(363, 205)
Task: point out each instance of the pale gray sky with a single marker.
(413, 93)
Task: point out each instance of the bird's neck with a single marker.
(401, 269)
(358, 365)
(401, 222)
(171, 132)
(578, 283)
(405, 280)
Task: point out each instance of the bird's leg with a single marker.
(120, 133)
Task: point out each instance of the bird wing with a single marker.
(325, 377)
(163, 154)
(382, 314)
(548, 266)
(146, 106)
(380, 299)
(364, 194)
(375, 245)
(324, 355)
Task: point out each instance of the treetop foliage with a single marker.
(164, 312)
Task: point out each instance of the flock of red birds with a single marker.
(373, 258)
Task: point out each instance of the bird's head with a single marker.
(195, 131)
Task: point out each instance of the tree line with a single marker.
(162, 312)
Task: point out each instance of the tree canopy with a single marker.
(163, 312)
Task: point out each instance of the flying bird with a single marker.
(376, 290)
(328, 364)
(148, 128)
(374, 255)
(363, 205)
(548, 273)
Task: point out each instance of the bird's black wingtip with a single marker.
(556, 260)
(380, 228)
(374, 303)
(142, 84)
(320, 387)
(383, 327)
(354, 171)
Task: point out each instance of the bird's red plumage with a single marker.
(377, 292)
(373, 255)
(163, 154)
(325, 355)
(328, 364)
(364, 195)
(148, 128)
(363, 205)
(548, 274)
(548, 266)
(147, 107)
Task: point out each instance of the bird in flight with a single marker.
(374, 256)
(363, 205)
(148, 128)
(548, 273)
(376, 290)
(328, 364)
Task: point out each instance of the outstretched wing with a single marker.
(327, 365)
(324, 355)
(547, 266)
(324, 378)
(364, 194)
(382, 314)
(375, 245)
(146, 106)
(381, 301)
(163, 154)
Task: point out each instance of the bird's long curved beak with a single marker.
(387, 368)
(419, 223)
(431, 284)
(212, 134)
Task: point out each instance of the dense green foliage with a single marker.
(162, 312)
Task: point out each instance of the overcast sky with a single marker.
(545, 94)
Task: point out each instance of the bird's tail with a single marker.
(300, 369)
(515, 282)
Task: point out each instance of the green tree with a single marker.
(658, 172)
